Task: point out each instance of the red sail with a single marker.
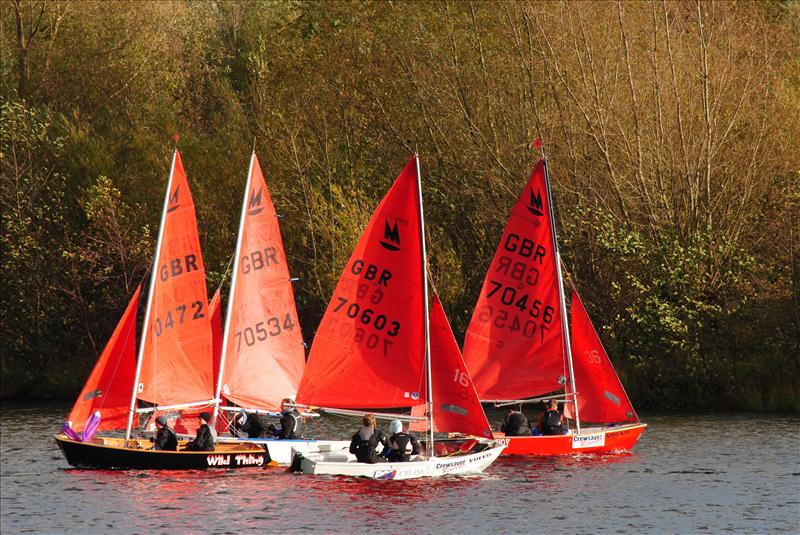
(601, 397)
(514, 346)
(108, 388)
(456, 406)
(265, 357)
(215, 316)
(369, 349)
(176, 361)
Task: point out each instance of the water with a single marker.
(709, 473)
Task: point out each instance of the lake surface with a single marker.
(705, 473)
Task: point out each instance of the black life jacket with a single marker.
(517, 425)
(290, 424)
(551, 422)
(399, 442)
(364, 448)
(166, 439)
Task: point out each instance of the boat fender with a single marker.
(297, 460)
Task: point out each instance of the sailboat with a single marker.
(173, 369)
(377, 348)
(518, 345)
(262, 354)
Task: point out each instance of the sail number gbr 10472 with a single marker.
(178, 316)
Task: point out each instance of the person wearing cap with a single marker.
(204, 440)
(365, 442)
(402, 445)
(165, 438)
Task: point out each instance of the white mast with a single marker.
(229, 312)
(146, 326)
(425, 307)
(564, 326)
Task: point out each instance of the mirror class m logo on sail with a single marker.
(391, 237)
(254, 204)
(173, 202)
(535, 204)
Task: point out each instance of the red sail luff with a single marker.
(108, 388)
(177, 360)
(514, 344)
(215, 316)
(369, 349)
(601, 397)
(456, 406)
(265, 357)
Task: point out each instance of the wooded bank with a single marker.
(671, 129)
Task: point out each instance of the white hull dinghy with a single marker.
(342, 463)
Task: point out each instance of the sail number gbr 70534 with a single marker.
(262, 330)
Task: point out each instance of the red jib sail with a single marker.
(108, 388)
(264, 357)
(514, 345)
(176, 359)
(215, 316)
(369, 349)
(456, 407)
(601, 397)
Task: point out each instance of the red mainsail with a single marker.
(264, 357)
(601, 397)
(514, 344)
(456, 407)
(176, 357)
(108, 388)
(369, 349)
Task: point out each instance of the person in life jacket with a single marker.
(516, 424)
(248, 426)
(291, 421)
(165, 438)
(365, 442)
(205, 438)
(403, 445)
(550, 421)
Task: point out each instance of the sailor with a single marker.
(550, 422)
(403, 445)
(365, 443)
(291, 421)
(248, 426)
(165, 438)
(516, 425)
(206, 436)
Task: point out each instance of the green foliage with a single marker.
(678, 220)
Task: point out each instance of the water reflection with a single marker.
(686, 475)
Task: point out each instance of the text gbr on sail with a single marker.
(259, 259)
(370, 272)
(178, 266)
